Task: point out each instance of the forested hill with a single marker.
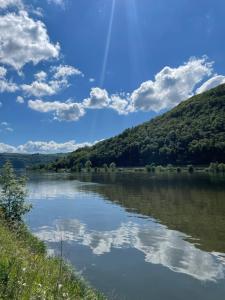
(193, 132)
(27, 160)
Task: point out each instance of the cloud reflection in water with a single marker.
(158, 244)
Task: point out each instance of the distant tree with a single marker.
(221, 168)
(148, 168)
(190, 169)
(113, 166)
(88, 165)
(105, 167)
(178, 170)
(13, 195)
(214, 167)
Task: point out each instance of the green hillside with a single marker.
(27, 160)
(193, 132)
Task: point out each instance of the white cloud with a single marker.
(63, 111)
(57, 2)
(24, 40)
(41, 76)
(50, 147)
(3, 72)
(120, 104)
(5, 127)
(5, 85)
(64, 71)
(98, 99)
(211, 83)
(91, 80)
(39, 89)
(4, 148)
(4, 124)
(171, 85)
(20, 100)
(6, 3)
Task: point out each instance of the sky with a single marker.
(74, 72)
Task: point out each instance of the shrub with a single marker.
(112, 166)
(148, 168)
(190, 169)
(88, 165)
(13, 195)
(178, 170)
(105, 167)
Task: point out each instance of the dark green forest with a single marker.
(191, 133)
(26, 160)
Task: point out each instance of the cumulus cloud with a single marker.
(41, 88)
(63, 111)
(120, 104)
(50, 147)
(41, 76)
(20, 100)
(98, 99)
(211, 83)
(171, 85)
(5, 85)
(6, 3)
(38, 89)
(64, 71)
(24, 40)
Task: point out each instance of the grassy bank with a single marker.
(27, 273)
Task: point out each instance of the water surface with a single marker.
(136, 236)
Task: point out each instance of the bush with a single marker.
(221, 168)
(88, 165)
(13, 195)
(113, 166)
(213, 167)
(148, 168)
(105, 167)
(190, 169)
(178, 170)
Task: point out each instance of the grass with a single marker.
(26, 273)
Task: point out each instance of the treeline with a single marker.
(191, 133)
(22, 161)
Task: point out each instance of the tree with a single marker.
(13, 195)
(112, 166)
(105, 167)
(88, 165)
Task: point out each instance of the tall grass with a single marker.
(26, 273)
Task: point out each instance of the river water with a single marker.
(136, 236)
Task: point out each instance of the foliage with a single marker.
(13, 194)
(216, 167)
(190, 169)
(112, 166)
(191, 133)
(105, 167)
(26, 273)
(22, 161)
(88, 165)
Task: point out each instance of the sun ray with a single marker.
(107, 46)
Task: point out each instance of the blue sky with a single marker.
(73, 72)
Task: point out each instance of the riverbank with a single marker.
(213, 168)
(27, 273)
